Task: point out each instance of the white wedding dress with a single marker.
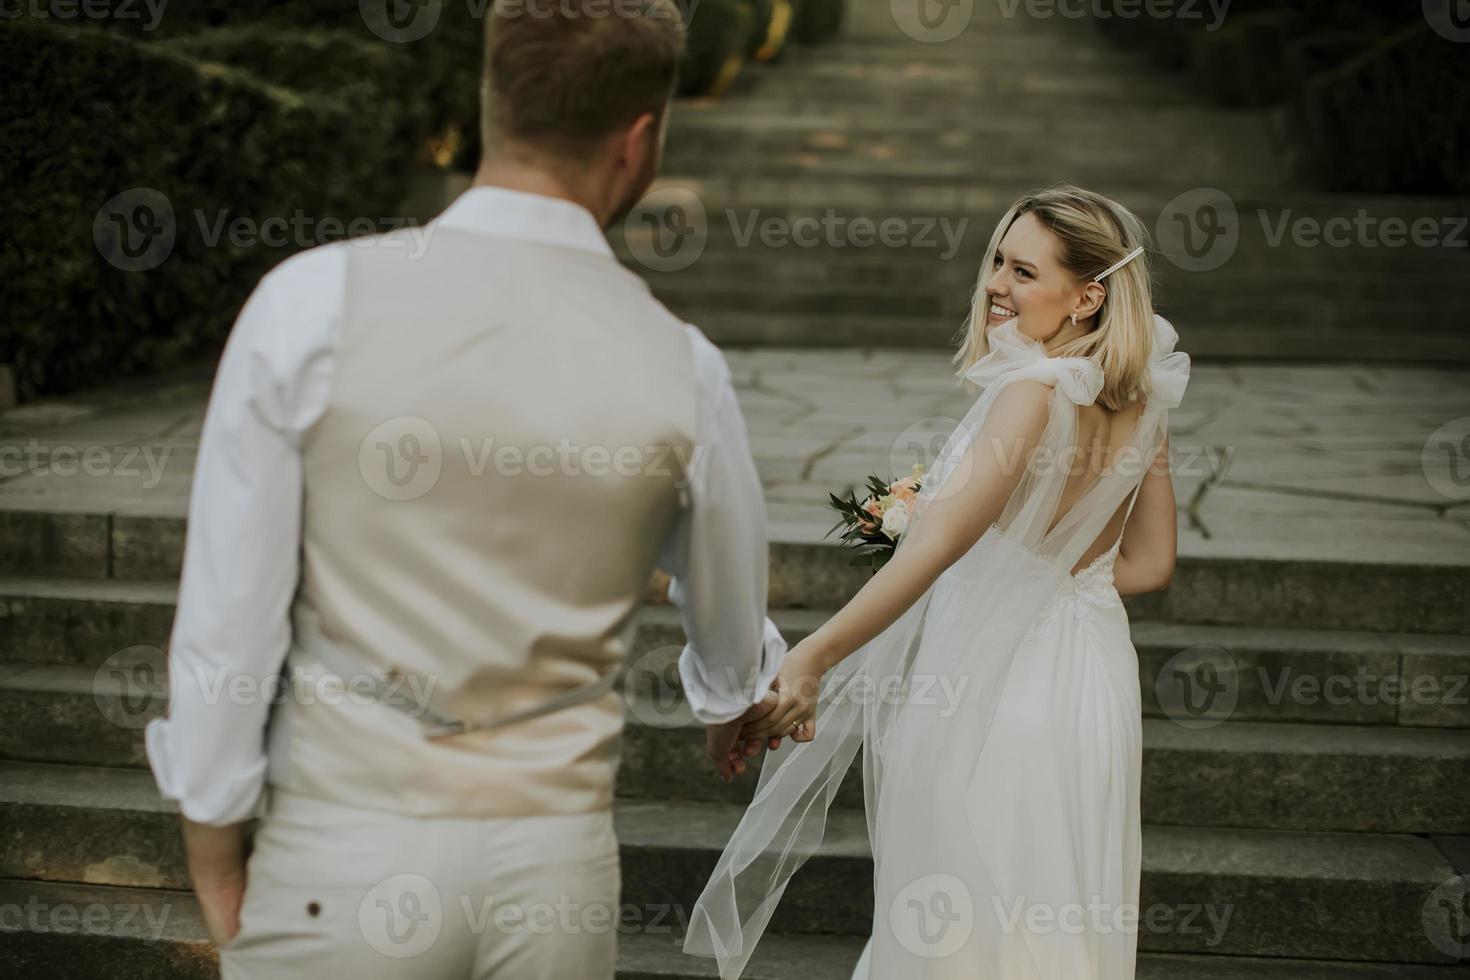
(1004, 816)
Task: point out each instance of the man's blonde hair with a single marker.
(561, 75)
(1094, 232)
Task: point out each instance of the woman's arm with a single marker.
(970, 502)
(1145, 561)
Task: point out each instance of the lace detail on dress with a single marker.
(1079, 594)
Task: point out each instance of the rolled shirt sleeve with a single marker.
(232, 627)
(717, 555)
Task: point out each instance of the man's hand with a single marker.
(217, 868)
(796, 692)
(724, 746)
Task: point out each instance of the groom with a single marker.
(386, 517)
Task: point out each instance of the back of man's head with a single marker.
(561, 76)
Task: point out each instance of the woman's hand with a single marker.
(796, 689)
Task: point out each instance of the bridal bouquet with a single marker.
(874, 526)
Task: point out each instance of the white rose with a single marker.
(895, 521)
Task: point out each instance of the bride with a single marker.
(1003, 817)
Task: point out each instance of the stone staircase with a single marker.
(879, 127)
(1286, 835)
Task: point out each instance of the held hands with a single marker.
(791, 700)
(722, 742)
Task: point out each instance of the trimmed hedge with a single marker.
(444, 64)
(716, 41)
(1392, 118)
(333, 64)
(1377, 102)
(90, 115)
(279, 112)
(818, 21)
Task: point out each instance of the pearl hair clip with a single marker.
(1119, 264)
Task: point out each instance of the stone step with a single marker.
(1281, 674)
(878, 130)
(1284, 339)
(1212, 584)
(1263, 893)
(1000, 88)
(698, 297)
(1085, 49)
(982, 199)
(886, 167)
(946, 243)
(82, 620)
(796, 117)
(1236, 673)
(936, 256)
(1200, 773)
(158, 933)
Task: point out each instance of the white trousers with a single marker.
(335, 891)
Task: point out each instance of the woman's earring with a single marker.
(1074, 319)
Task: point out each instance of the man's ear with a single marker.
(1091, 300)
(639, 141)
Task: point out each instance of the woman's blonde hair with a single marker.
(1094, 232)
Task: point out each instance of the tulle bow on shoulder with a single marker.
(1168, 369)
(1015, 356)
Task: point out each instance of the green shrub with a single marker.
(445, 62)
(334, 64)
(1377, 100)
(1176, 41)
(817, 21)
(90, 115)
(715, 42)
(1393, 118)
(760, 24)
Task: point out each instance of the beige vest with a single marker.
(499, 460)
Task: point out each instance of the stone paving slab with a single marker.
(1270, 461)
